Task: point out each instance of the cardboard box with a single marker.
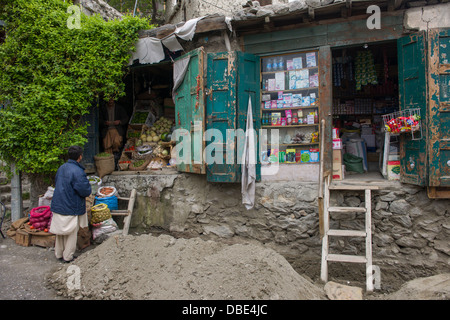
(337, 156)
(337, 143)
(338, 167)
(338, 172)
(393, 170)
(394, 157)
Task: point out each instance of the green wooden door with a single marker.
(190, 115)
(220, 117)
(413, 94)
(439, 107)
(248, 86)
(232, 77)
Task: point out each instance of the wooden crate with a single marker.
(23, 238)
(43, 241)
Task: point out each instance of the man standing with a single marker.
(113, 118)
(69, 204)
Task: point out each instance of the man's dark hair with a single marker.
(75, 152)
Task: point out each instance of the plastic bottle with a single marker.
(269, 65)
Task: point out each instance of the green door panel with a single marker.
(232, 77)
(413, 94)
(439, 107)
(190, 114)
(248, 86)
(221, 116)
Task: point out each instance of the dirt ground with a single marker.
(158, 266)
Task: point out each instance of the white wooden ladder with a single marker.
(126, 213)
(367, 233)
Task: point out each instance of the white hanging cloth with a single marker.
(249, 162)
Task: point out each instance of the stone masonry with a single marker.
(408, 227)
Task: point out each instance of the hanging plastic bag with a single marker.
(46, 199)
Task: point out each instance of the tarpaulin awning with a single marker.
(150, 50)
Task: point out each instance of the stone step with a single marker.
(3, 180)
(5, 198)
(26, 206)
(5, 188)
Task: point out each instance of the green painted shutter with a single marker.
(249, 86)
(231, 78)
(221, 116)
(413, 94)
(439, 107)
(190, 112)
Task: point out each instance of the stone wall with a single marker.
(183, 10)
(408, 227)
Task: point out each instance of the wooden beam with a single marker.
(311, 12)
(348, 6)
(208, 24)
(394, 4)
(438, 192)
(211, 24)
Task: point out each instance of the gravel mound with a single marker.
(165, 268)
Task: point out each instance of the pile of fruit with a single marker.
(160, 131)
(40, 218)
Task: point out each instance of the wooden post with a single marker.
(369, 266)
(16, 194)
(127, 219)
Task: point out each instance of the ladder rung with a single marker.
(351, 187)
(346, 258)
(346, 209)
(346, 233)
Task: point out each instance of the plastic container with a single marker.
(95, 183)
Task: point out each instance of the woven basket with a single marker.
(137, 156)
(104, 165)
(165, 145)
(123, 166)
(141, 167)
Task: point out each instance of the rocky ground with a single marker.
(161, 267)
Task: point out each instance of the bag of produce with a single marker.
(104, 162)
(104, 227)
(40, 218)
(107, 191)
(111, 202)
(100, 212)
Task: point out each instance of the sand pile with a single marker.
(149, 267)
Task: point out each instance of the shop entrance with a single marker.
(148, 108)
(365, 86)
